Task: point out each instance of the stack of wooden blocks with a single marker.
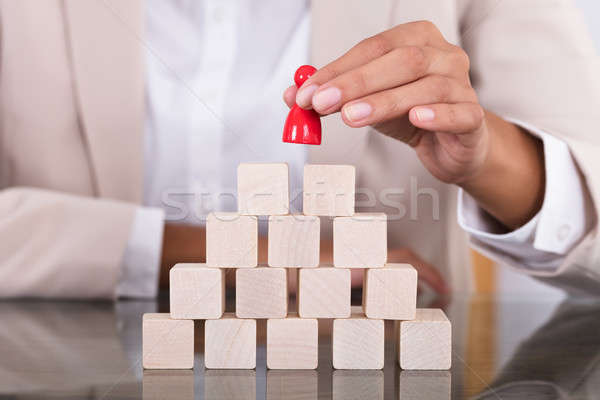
(197, 291)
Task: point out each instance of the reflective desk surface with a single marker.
(508, 348)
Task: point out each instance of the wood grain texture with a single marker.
(229, 385)
(292, 385)
(231, 240)
(358, 343)
(292, 343)
(196, 292)
(425, 385)
(324, 292)
(426, 341)
(294, 241)
(230, 343)
(358, 385)
(263, 189)
(360, 241)
(390, 292)
(168, 384)
(167, 343)
(261, 293)
(329, 189)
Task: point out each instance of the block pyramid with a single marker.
(197, 291)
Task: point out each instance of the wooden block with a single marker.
(390, 292)
(360, 241)
(230, 343)
(426, 342)
(292, 385)
(328, 189)
(324, 292)
(231, 240)
(357, 385)
(168, 384)
(196, 292)
(292, 343)
(294, 241)
(261, 293)
(167, 343)
(425, 385)
(230, 385)
(263, 189)
(358, 343)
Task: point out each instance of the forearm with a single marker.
(510, 185)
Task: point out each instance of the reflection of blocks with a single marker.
(324, 292)
(358, 385)
(231, 240)
(360, 241)
(261, 293)
(196, 292)
(358, 343)
(390, 292)
(292, 343)
(230, 385)
(425, 385)
(168, 384)
(288, 385)
(329, 190)
(230, 343)
(167, 343)
(425, 342)
(263, 189)
(294, 241)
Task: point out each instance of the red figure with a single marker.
(302, 126)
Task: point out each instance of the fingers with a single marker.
(427, 272)
(395, 103)
(289, 96)
(449, 118)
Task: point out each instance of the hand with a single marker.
(411, 84)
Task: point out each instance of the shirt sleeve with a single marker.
(141, 260)
(544, 241)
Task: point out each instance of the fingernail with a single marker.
(326, 98)
(304, 95)
(424, 114)
(357, 111)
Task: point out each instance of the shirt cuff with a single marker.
(561, 222)
(141, 261)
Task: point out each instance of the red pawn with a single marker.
(302, 126)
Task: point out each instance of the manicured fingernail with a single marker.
(304, 95)
(326, 98)
(424, 114)
(357, 111)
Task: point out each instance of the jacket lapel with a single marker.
(106, 50)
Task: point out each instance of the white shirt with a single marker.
(215, 74)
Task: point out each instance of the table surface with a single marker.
(503, 348)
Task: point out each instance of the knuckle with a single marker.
(377, 45)
(451, 115)
(461, 58)
(359, 81)
(442, 87)
(417, 59)
(427, 26)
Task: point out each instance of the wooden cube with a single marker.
(358, 385)
(329, 189)
(167, 384)
(358, 342)
(292, 343)
(294, 241)
(196, 292)
(426, 342)
(167, 343)
(360, 241)
(261, 293)
(263, 189)
(390, 292)
(324, 292)
(229, 384)
(231, 240)
(230, 343)
(425, 385)
(292, 385)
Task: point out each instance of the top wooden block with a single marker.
(263, 189)
(329, 190)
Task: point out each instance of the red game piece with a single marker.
(302, 126)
